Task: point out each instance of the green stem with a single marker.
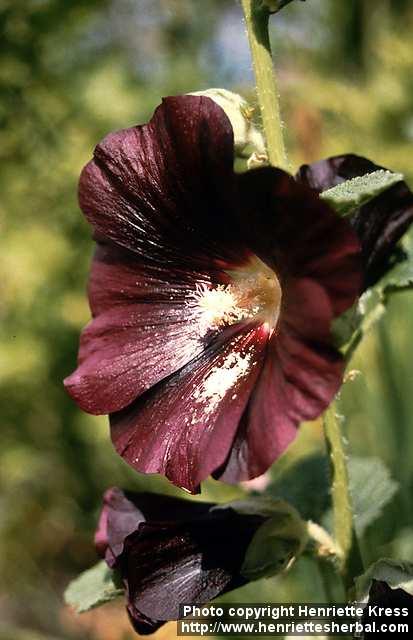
(350, 562)
(256, 19)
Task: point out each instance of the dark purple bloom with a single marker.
(170, 552)
(379, 223)
(382, 596)
(212, 295)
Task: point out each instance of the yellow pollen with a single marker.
(220, 306)
(220, 380)
(254, 292)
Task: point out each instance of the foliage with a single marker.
(371, 489)
(94, 587)
(354, 324)
(349, 195)
(306, 485)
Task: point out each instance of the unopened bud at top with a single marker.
(248, 138)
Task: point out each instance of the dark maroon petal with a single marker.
(299, 379)
(101, 533)
(147, 326)
(291, 229)
(142, 625)
(122, 354)
(123, 512)
(117, 278)
(163, 191)
(184, 427)
(380, 223)
(165, 566)
(381, 597)
(119, 518)
(324, 174)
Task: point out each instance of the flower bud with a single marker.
(247, 137)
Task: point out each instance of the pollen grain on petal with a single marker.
(220, 380)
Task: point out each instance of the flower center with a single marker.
(254, 292)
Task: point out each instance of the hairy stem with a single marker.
(256, 19)
(350, 562)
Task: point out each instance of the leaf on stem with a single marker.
(306, 486)
(351, 326)
(371, 488)
(351, 194)
(93, 587)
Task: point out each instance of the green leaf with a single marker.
(402, 544)
(400, 276)
(371, 488)
(398, 575)
(94, 587)
(306, 485)
(276, 543)
(349, 195)
(349, 329)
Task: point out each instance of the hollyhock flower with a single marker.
(170, 551)
(386, 586)
(382, 596)
(212, 295)
(379, 223)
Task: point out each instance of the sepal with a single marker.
(277, 542)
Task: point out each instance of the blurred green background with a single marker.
(71, 71)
